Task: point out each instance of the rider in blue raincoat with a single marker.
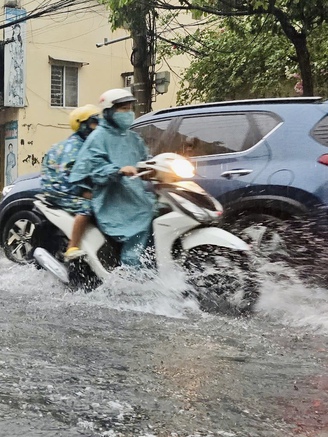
(55, 171)
(123, 208)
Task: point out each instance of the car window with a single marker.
(158, 134)
(224, 133)
(320, 131)
(214, 134)
(207, 134)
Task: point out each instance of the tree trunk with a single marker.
(303, 58)
(298, 39)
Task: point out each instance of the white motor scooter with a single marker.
(186, 234)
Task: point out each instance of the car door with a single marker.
(229, 150)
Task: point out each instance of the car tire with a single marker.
(290, 240)
(17, 236)
(265, 233)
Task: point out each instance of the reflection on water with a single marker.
(135, 358)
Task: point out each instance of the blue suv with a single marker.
(265, 160)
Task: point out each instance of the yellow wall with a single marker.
(70, 36)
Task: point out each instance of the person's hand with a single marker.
(148, 176)
(128, 170)
(87, 194)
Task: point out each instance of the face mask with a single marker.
(123, 119)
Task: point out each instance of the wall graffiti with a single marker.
(34, 160)
(15, 49)
(11, 130)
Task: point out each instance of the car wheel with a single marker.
(265, 233)
(17, 236)
(292, 241)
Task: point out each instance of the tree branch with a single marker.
(206, 9)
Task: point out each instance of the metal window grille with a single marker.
(64, 86)
(128, 81)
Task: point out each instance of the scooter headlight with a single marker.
(183, 168)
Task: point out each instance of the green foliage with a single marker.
(239, 62)
(127, 13)
(254, 55)
(319, 54)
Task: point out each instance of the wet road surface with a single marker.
(136, 359)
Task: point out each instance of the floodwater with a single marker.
(134, 358)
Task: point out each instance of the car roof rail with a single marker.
(272, 100)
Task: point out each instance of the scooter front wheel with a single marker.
(223, 279)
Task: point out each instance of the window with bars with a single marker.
(64, 85)
(128, 80)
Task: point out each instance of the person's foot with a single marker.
(73, 253)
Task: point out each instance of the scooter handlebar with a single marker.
(142, 173)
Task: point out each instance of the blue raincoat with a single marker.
(121, 205)
(55, 171)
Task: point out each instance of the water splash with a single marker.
(284, 297)
(142, 291)
(126, 289)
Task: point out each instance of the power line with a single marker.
(47, 11)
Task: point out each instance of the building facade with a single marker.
(51, 64)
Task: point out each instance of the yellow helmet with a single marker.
(82, 114)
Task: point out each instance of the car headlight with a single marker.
(6, 190)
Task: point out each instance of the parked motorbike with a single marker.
(186, 236)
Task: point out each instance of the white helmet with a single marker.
(111, 97)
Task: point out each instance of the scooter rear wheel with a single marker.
(81, 277)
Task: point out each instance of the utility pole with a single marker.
(141, 23)
(143, 57)
(141, 60)
(142, 84)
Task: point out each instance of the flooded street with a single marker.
(136, 359)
